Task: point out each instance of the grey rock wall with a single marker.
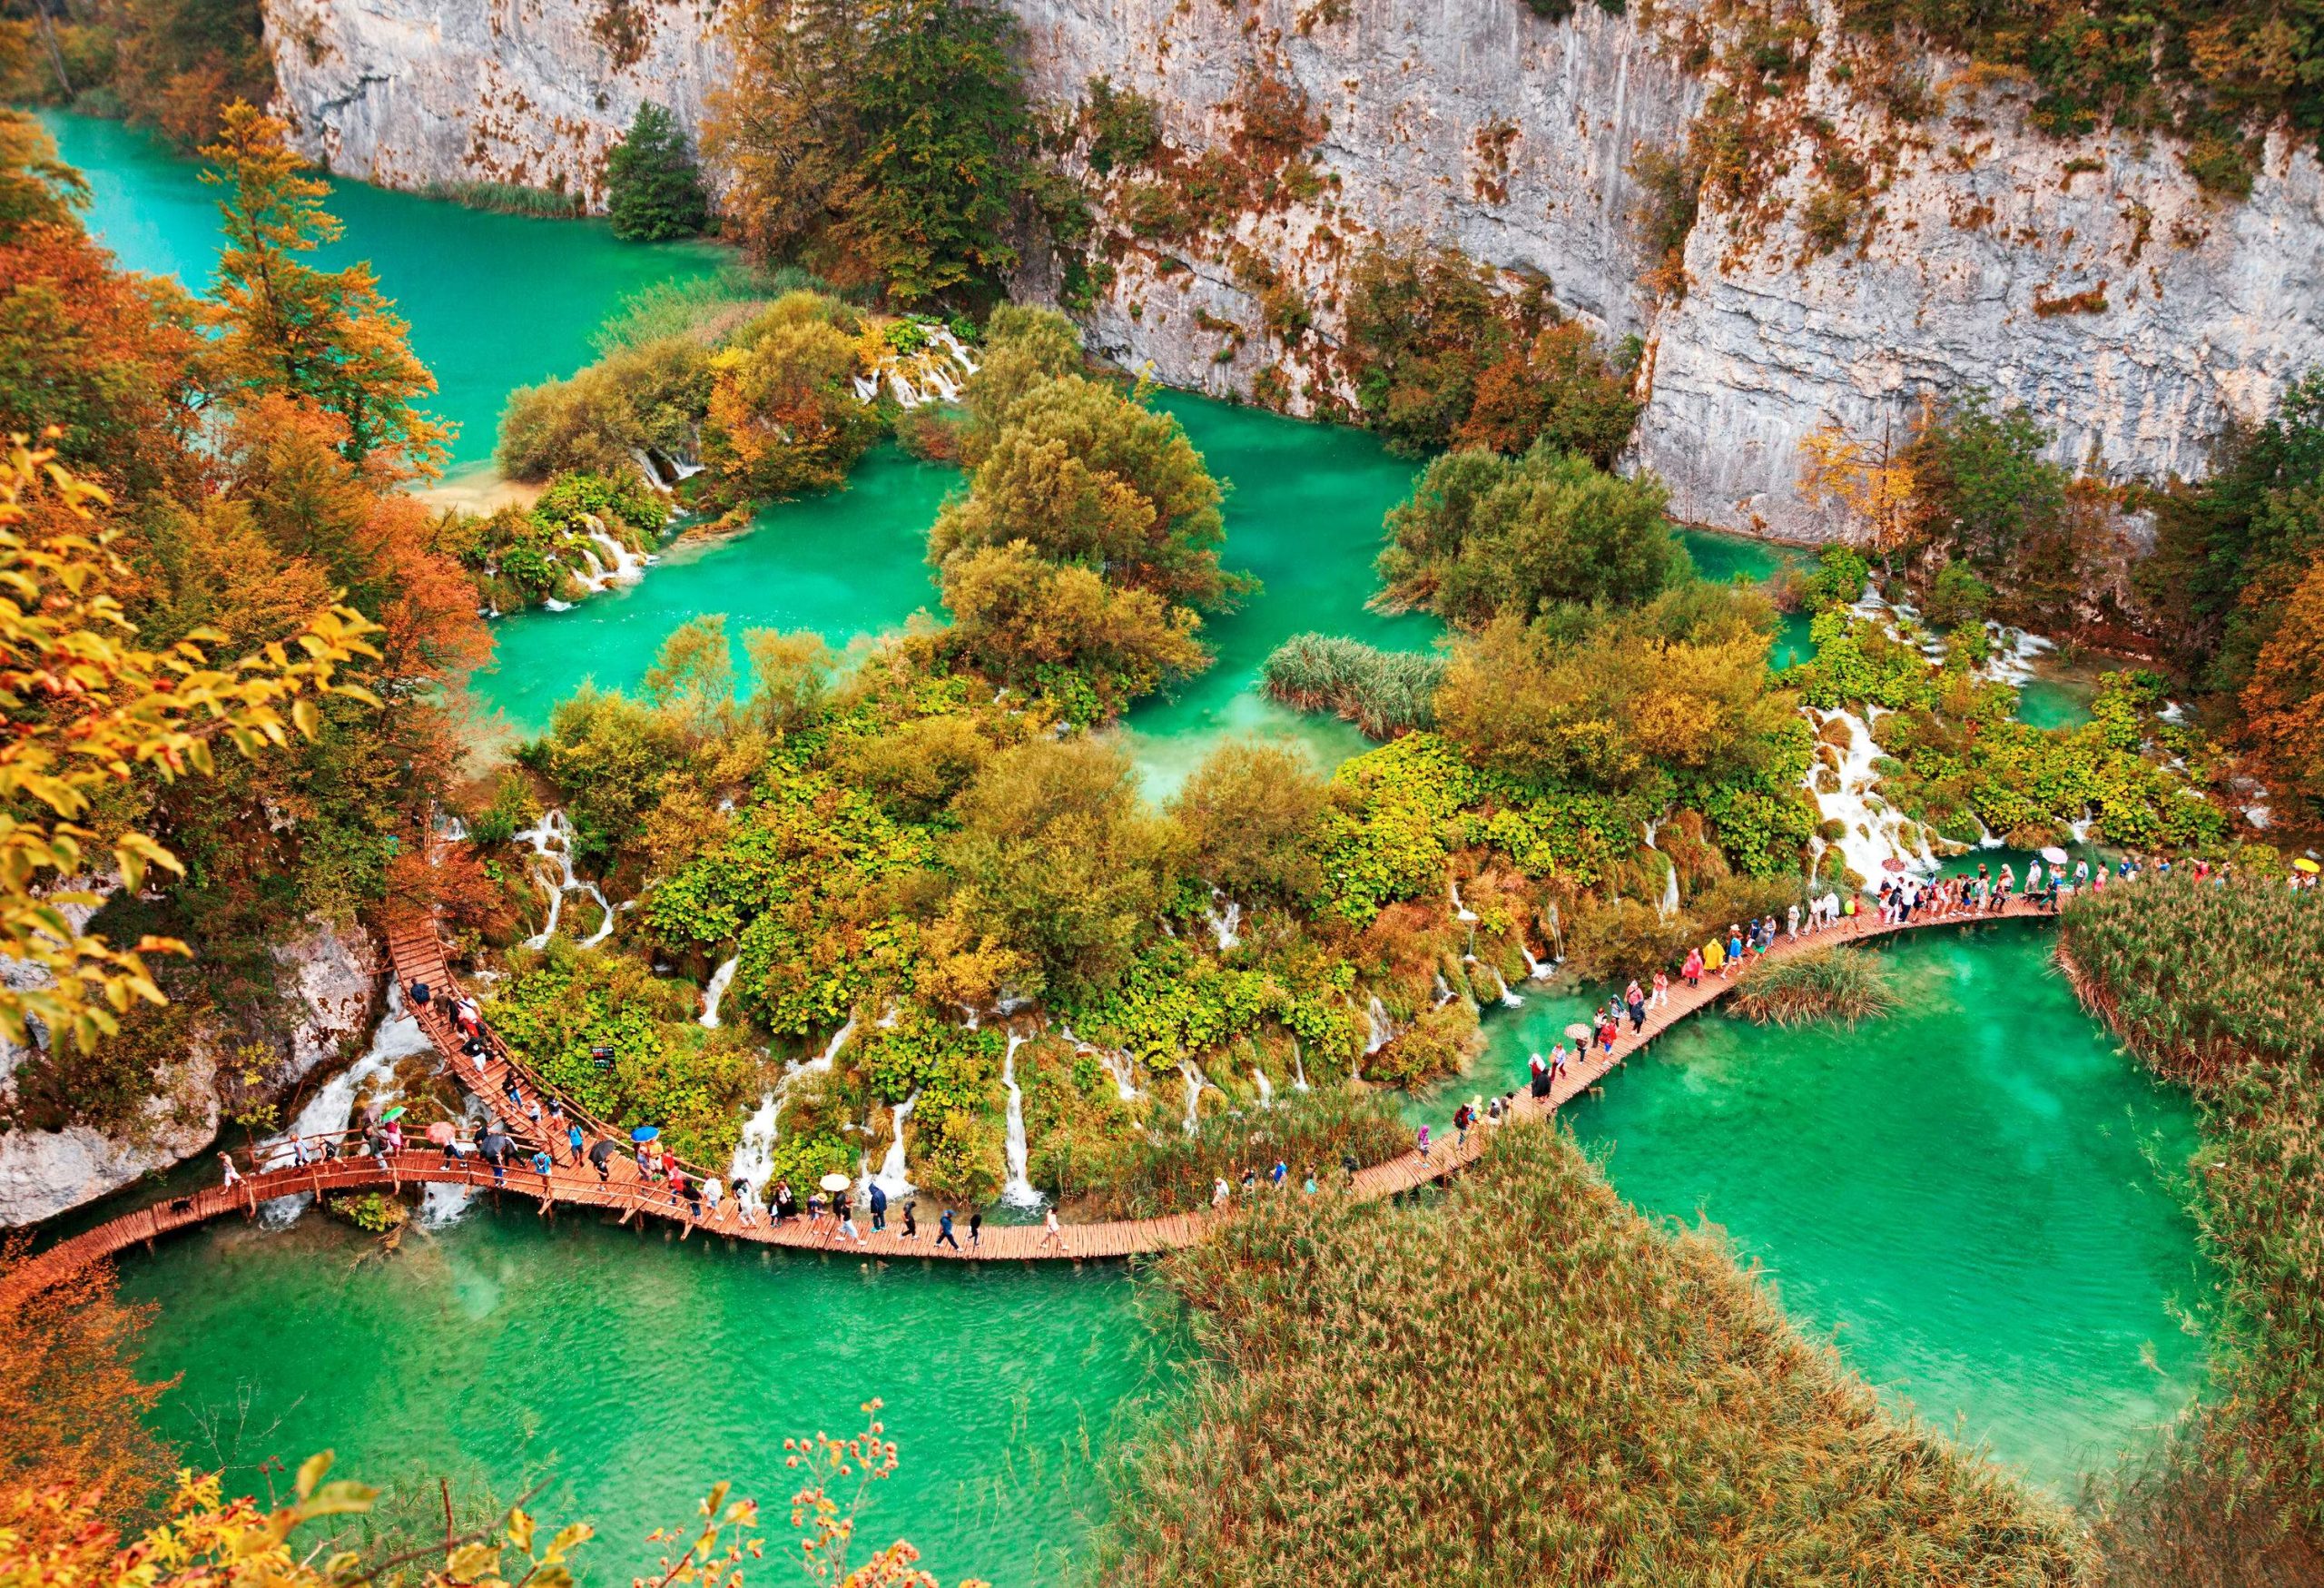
(1475, 123)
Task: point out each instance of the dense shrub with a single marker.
(1841, 985)
(1384, 692)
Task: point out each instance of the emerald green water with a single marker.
(495, 302)
(1963, 1197)
(632, 1371)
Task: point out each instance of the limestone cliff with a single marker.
(330, 994)
(2091, 280)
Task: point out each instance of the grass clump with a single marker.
(507, 197)
(1842, 986)
(1168, 1171)
(1384, 692)
(1526, 1382)
(2215, 986)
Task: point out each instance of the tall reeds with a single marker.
(1842, 985)
(1168, 1171)
(1524, 1382)
(1384, 692)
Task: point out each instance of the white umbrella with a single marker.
(835, 1182)
(2055, 855)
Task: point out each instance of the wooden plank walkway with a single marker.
(418, 953)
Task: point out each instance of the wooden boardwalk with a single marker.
(417, 955)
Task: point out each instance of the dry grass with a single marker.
(1840, 985)
(1525, 1381)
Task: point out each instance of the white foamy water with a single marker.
(551, 840)
(332, 1107)
(712, 995)
(1018, 1191)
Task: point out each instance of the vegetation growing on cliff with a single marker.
(882, 144)
(1607, 1398)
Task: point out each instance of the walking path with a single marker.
(417, 955)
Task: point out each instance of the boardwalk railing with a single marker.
(417, 955)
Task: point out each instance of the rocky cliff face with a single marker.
(2091, 280)
(331, 996)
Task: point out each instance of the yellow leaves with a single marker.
(1869, 481)
(85, 707)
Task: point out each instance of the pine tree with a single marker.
(654, 188)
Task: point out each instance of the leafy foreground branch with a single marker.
(1526, 1382)
(54, 1538)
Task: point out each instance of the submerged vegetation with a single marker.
(1384, 692)
(1843, 986)
(1608, 1398)
(2214, 984)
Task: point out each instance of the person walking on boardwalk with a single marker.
(944, 1230)
(494, 1147)
(1540, 1070)
(601, 1155)
(1734, 950)
(712, 1194)
(1053, 1239)
(976, 1227)
(1421, 1144)
(912, 1218)
(747, 1205)
(845, 1208)
(1693, 969)
(1713, 956)
(1662, 989)
(1220, 1191)
(542, 1164)
(1557, 1064)
(1278, 1174)
(233, 1177)
(1636, 998)
(1791, 922)
(879, 1206)
(1463, 1118)
(787, 1204)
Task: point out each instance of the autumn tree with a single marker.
(1865, 481)
(88, 708)
(325, 337)
(1018, 617)
(1023, 347)
(1483, 536)
(1560, 389)
(1085, 475)
(2283, 704)
(783, 416)
(1248, 816)
(71, 1408)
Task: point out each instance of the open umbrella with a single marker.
(1892, 863)
(441, 1131)
(835, 1182)
(394, 1113)
(602, 1153)
(2055, 855)
(1578, 1031)
(646, 1133)
(2305, 864)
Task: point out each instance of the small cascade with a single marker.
(1195, 1081)
(1382, 1031)
(1443, 990)
(1872, 833)
(712, 995)
(1535, 970)
(821, 1063)
(1266, 1087)
(1298, 1067)
(1461, 911)
(1017, 1190)
(1668, 905)
(440, 1204)
(2012, 653)
(1224, 925)
(332, 1107)
(552, 840)
(754, 1159)
(649, 468)
(1509, 1000)
(624, 567)
(892, 1176)
(1118, 1064)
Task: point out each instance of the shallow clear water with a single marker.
(634, 1371)
(495, 302)
(1963, 1197)
(2054, 702)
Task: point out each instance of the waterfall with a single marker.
(1223, 926)
(1192, 1071)
(754, 1159)
(1535, 970)
(1461, 911)
(332, 1107)
(1118, 1064)
(1509, 1000)
(1016, 1191)
(1443, 990)
(891, 1168)
(1872, 833)
(1668, 905)
(1266, 1087)
(1298, 1067)
(719, 980)
(829, 1055)
(440, 1204)
(1382, 1031)
(552, 840)
(627, 568)
(649, 468)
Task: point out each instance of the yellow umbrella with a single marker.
(2306, 864)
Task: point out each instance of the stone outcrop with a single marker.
(331, 990)
(2091, 280)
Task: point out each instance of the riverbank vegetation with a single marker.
(172, 65)
(1605, 1396)
(2215, 986)
(249, 450)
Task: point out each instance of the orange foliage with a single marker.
(71, 1412)
(1867, 481)
(2283, 704)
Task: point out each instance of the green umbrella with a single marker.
(394, 1113)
